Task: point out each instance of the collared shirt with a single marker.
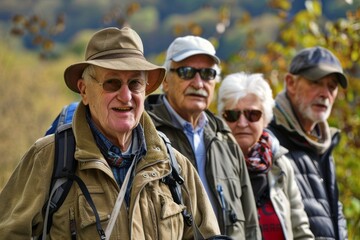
(119, 162)
(196, 139)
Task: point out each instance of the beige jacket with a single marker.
(152, 213)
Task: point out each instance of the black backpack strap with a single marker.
(174, 180)
(64, 165)
(63, 177)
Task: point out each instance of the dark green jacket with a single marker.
(226, 167)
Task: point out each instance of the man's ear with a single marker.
(82, 89)
(290, 81)
(165, 85)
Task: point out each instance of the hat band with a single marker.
(119, 55)
(126, 54)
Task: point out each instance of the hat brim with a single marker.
(190, 53)
(156, 74)
(317, 73)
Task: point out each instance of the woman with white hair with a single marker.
(245, 102)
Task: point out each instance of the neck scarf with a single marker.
(259, 159)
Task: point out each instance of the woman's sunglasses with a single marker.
(234, 115)
(188, 73)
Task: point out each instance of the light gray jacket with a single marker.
(286, 198)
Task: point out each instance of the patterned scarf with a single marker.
(259, 159)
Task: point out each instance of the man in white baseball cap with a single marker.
(182, 114)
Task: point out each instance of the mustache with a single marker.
(193, 91)
(322, 101)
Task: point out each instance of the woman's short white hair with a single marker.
(238, 85)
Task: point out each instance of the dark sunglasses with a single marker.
(188, 73)
(234, 115)
(136, 85)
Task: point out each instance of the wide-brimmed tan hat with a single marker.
(117, 49)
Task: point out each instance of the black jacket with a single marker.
(315, 176)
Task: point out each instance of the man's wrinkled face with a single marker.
(313, 100)
(190, 97)
(115, 98)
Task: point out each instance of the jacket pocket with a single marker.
(86, 214)
(232, 196)
(233, 218)
(168, 222)
(170, 208)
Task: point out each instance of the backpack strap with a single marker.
(64, 165)
(63, 177)
(174, 180)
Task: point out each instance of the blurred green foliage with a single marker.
(33, 91)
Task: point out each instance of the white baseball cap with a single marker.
(184, 47)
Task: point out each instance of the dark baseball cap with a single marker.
(315, 63)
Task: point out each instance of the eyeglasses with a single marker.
(234, 115)
(136, 85)
(188, 73)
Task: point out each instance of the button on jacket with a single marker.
(151, 214)
(225, 166)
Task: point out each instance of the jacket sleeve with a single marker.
(299, 219)
(23, 197)
(196, 199)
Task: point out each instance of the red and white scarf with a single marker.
(259, 159)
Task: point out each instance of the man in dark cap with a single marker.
(120, 159)
(300, 123)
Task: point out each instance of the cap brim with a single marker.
(182, 56)
(317, 73)
(156, 74)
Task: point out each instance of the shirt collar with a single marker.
(112, 152)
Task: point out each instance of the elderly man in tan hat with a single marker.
(120, 159)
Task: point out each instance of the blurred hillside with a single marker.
(40, 38)
(159, 21)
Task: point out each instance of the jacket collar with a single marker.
(87, 150)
